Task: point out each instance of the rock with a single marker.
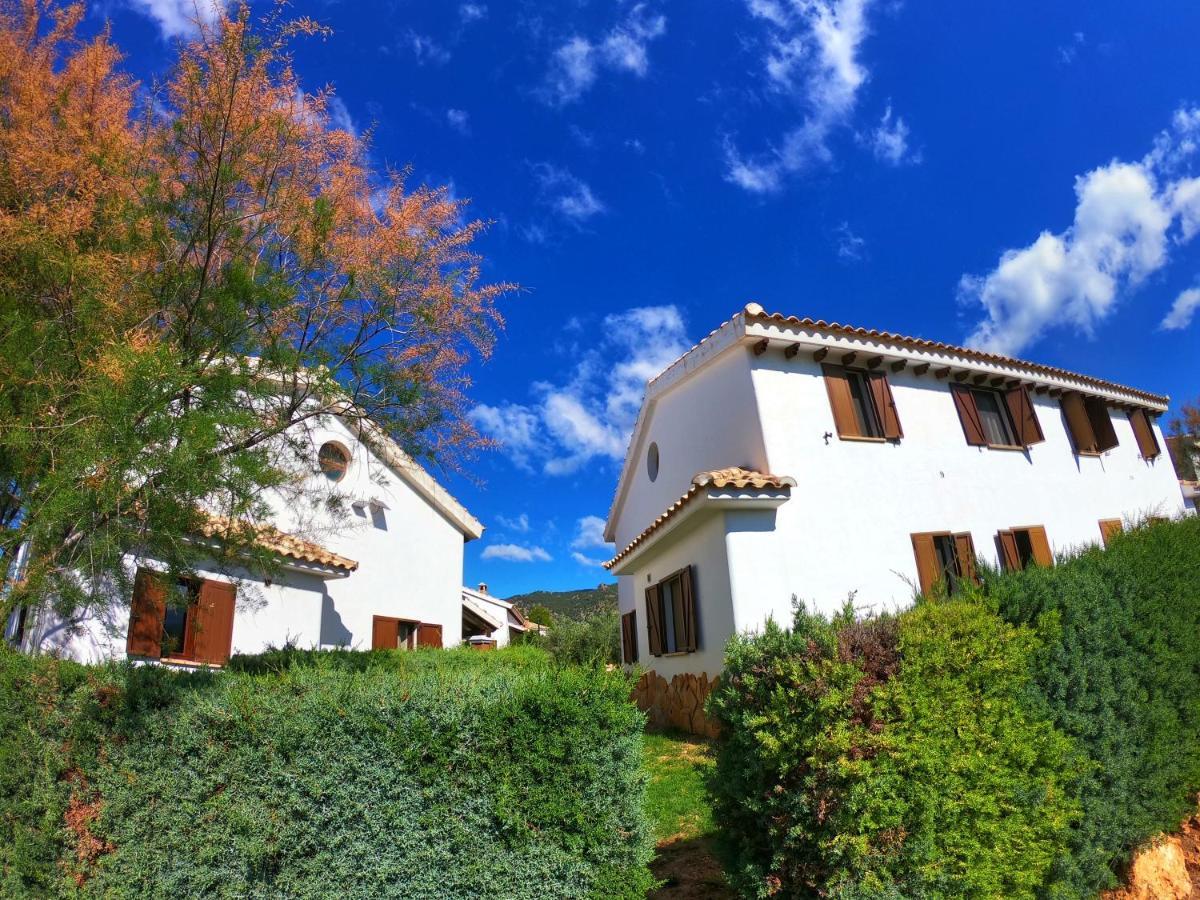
(678, 704)
(1158, 873)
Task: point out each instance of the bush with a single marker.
(317, 775)
(594, 640)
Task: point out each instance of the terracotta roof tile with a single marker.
(732, 477)
(276, 541)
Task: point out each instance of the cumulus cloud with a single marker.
(520, 524)
(1128, 218)
(578, 62)
(567, 195)
(178, 18)
(584, 560)
(590, 414)
(1182, 310)
(589, 533)
(515, 553)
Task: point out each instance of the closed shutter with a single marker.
(885, 405)
(211, 623)
(1025, 420)
(968, 414)
(687, 640)
(841, 401)
(1102, 426)
(385, 633)
(1078, 423)
(928, 571)
(964, 549)
(1143, 430)
(1110, 528)
(654, 620)
(1041, 546)
(1010, 557)
(146, 616)
(429, 635)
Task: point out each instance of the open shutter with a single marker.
(429, 635)
(211, 623)
(964, 549)
(1078, 423)
(1110, 528)
(1041, 546)
(968, 414)
(841, 401)
(629, 637)
(1025, 420)
(687, 601)
(385, 633)
(146, 615)
(654, 620)
(1102, 426)
(885, 405)
(928, 571)
(1010, 557)
(1143, 430)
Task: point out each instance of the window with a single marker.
(391, 633)
(1109, 529)
(333, 460)
(194, 626)
(862, 404)
(944, 558)
(993, 418)
(652, 461)
(671, 614)
(1022, 547)
(629, 648)
(1089, 424)
(1143, 431)
(17, 624)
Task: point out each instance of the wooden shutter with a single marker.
(841, 401)
(385, 633)
(885, 405)
(429, 635)
(1010, 557)
(1079, 425)
(211, 623)
(654, 620)
(1041, 546)
(928, 571)
(687, 640)
(1110, 528)
(1024, 417)
(146, 614)
(1143, 430)
(964, 549)
(1102, 426)
(629, 637)
(968, 414)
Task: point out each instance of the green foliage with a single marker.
(540, 615)
(679, 767)
(576, 604)
(592, 641)
(310, 775)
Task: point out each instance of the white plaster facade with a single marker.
(752, 396)
(497, 621)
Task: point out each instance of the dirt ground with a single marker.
(690, 871)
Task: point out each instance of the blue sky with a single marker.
(1021, 176)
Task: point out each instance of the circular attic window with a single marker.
(652, 461)
(334, 459)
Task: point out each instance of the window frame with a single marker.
(629, 642)
(855, 402)
(961, 547)
(327, 471)
(149, 606)
(1014, 557)
(684, 612)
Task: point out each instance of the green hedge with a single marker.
(448, 774)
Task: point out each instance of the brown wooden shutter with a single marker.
(1102, 426)
(1041, 546)
(654, 620)
(1143, 430)
(211, 623)
(629, 637)
(385, 633)
(968, 414)
(688, 606)
(1110, 528)
(146, 614)
(885, 404)
(841, 401)
(964, 548)
(1010, 557)
(1025, 420)
(1078, 423)
(429, 635)
(928, 571)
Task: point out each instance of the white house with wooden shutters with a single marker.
(784, 458)
(386, 572)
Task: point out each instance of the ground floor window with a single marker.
(671, 614)
(629, 649)
(391, 633)
(1021, 548)
(945, 558)
(190, 621)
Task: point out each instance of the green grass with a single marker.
(676, 800)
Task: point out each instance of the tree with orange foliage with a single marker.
(183, 286)
(1183, 440)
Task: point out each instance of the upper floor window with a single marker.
(652, 461)
(671, 614)
(333, 459)
(862, 403)
(1089, 424)
(1143, 431)
(992, 418)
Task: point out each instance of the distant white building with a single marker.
(490, 622)
(784, 458)
(386, 575)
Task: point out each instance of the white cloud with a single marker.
(585, 560)
(570, 197)
(520, 524)
(426, 49)
(178, 18)
(811, 57)
(589, 533)
(590, 413)
(889, 140)
(472, 12)
(1128, 216)
(515, 553)
(459, 119)
(577, 62)
(850, 247)
(339, 115)
(1182, 310)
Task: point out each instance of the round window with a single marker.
(652, 461)
(333, 459)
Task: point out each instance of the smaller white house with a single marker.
(489, 622)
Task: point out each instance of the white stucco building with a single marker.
(384, 572)
(784, 458)
(489, 622)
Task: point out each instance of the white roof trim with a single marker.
(481, 610)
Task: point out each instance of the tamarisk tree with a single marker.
(187, 275)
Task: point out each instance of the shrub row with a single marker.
(443, 774)
(1021, 741)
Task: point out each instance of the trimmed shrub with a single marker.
(317, 775)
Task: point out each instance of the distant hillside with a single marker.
(571, 604)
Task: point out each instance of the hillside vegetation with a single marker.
(576, 605)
